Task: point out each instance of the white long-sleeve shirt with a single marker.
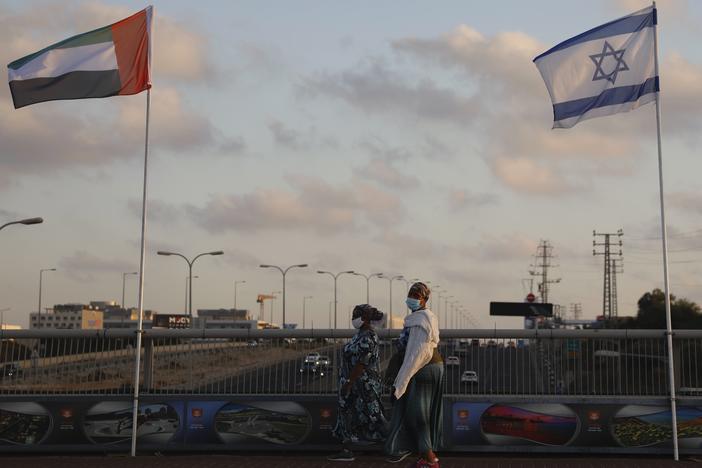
(423, 339)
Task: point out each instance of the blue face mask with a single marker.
(413, 304)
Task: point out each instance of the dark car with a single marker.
(11, 370)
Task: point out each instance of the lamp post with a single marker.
(284, 272)
(190, 272)
(335, 276)
(368, 278)
(438, 302)
(23, 221)
(446, 314)
(185, 304)
(41, 273)
(237, 283)
(124, 280)
(2, 317)
(390, 280)
(304, 303)
(275, 296)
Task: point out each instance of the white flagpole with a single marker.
(140, 326)
(666, 280)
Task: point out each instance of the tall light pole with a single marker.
(41, 273)
(237, 283)
(185, 304)
(124, 280)
(284, 272)
(368, 278)
(390, 280)
(190, 272)
(446, 314)
(275, 296)
(2, 317)
(23, 221)
(335, 276)
(304, 303)
(438, 302)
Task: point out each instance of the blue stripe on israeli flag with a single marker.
(626, 25)
(607, 70)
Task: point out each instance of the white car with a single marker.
(312, 357)
(469, 376)
(453, 361)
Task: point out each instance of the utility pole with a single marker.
(606, 244)
(617, 266)
(542, 260)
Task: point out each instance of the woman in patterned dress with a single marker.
(360, 414)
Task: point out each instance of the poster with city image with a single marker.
(276, 422)
(23, 423)
(650, 426)
(529, 424)
(111, 422)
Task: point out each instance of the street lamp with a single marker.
(41, 273)
(304, 303)
(335, 276)
(185, 304)
(368, 278)
(124, 279)
(24, 221)
(190, 272)
(2, 317)
(236, 283)
(446, 314)
(274, 295)
(391, 279)
(438, 292)
(284, 272)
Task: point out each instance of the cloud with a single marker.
(460, 200)
(517, 116)
(687, 201)
(83, 266)
(386, 174)
(372, 87)
(312, 203)
(383, 165)
(52, 136)
(296, 140)
(157, 211)
(233, 147)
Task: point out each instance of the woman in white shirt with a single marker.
(418, 387)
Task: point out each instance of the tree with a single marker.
(651, 314)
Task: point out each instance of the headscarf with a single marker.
(420, 289)
(367, 312)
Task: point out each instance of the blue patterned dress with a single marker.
(360, 415)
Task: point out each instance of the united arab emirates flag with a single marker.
(110, 61)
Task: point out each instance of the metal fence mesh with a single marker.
(303, 362)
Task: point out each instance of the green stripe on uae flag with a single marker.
(109, 61)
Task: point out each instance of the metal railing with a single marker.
(530, 363)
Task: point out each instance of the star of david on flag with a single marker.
(604, 71)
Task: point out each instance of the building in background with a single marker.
(68, 317)
(227, 319)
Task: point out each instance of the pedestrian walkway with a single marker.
(297, 460)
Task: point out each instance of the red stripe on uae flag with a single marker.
(132, 39)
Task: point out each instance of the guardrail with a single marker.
(529, 363)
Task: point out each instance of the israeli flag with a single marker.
(604, 71)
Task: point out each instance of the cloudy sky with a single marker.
(403, 137)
